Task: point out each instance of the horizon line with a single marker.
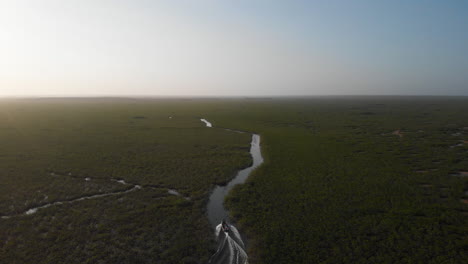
(103, 96)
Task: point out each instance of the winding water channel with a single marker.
(132, 187)
(216, 210)
(231, 248)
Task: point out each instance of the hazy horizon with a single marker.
(244, 48)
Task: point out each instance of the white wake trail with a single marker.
(230, 247)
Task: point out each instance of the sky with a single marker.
(233, 48)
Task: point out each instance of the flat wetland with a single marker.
(345, 179)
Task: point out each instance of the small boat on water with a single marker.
(225, 226)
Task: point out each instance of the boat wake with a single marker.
(231, 249)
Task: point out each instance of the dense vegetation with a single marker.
(346, 180)
(358, 180)
(60, 150)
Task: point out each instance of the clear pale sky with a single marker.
(233, 48)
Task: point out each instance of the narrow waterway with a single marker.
(208, 124)
(231, 247)
(33, 210)
(132, 187)
(216, 210)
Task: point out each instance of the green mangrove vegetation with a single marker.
(357, 180)
(61, 149)
(345, 179)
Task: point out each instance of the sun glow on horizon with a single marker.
(146, 48)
